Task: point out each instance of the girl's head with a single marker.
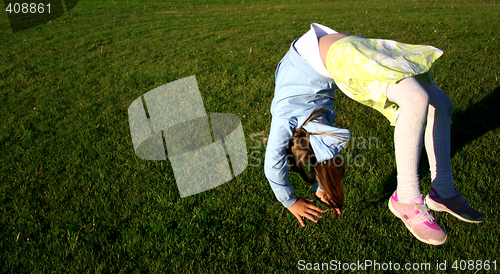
(329, 174)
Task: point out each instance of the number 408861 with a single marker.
(27, 8)
(474, 265)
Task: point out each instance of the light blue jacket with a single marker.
(299, 91)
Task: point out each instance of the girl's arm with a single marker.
(275, 163)
(276, 170)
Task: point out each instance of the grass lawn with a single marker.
(75, 198)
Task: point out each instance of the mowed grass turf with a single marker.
(75, 198)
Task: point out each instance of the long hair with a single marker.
(329, 173)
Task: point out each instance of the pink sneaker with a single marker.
(418, 219)
(455, 205)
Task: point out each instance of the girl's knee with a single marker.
(420, 97)
(416, 97)
(408, 93)
(441, 102)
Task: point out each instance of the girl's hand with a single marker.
(304, 208)
(329, 203)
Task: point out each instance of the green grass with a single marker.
(75, 198)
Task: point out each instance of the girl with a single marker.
(393, 78)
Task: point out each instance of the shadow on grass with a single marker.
(467, 126)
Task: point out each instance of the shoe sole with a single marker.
(428, 201)
(431, 242)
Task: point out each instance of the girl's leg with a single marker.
(443, 195)
(413, 100)
(407, 202)
(437, 140)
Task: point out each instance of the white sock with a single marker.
(413, 101)
(437, 140)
